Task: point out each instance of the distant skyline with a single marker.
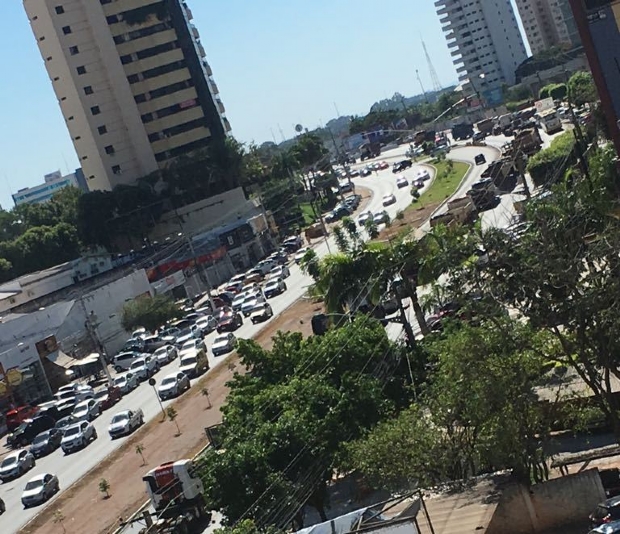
(277, 63)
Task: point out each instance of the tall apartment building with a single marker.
(132, 82)
(547, 24)
(485, 42)
(52, 183)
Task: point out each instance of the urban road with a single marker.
(71, 468)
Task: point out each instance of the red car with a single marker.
(229, 321)
(108, 396)
(17, 416)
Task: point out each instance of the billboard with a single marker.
(544, 105)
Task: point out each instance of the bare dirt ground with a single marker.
(83, 506)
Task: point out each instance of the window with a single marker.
(112, 19)
(73, 50)
(91, 177)
(163, 69)
(140, 98)
(109, 149)
(148, 117)
(70, 118)
(63, 99)
(48, 58)
(104, 2)
(84, 157)
(126, 59)
(95, 110)
(81, 70)
(116, 169)
(118, 39)
(88, 90)
(56, 78)
(102, 130)
(155, 50)
(78, 137)
(42, 38)
(133, 78)
(66, 30)
(59, 10)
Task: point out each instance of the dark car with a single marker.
(108, 396)
(26, 432)
(479, 136)
(607, 528)
(46, 442)
(338, 213)
(229, 321)
(402, 165)
(606, 512)
(480, 159)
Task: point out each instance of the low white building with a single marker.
(53, 182)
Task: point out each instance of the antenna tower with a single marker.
(433, 72)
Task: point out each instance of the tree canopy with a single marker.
(150, 313)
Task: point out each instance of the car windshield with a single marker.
(120, 380)
(189, 360)
(80, 409)
(168, 380)
(120, 417)
(274, 283)
(220, 339)
(41, 438)
(34, 484)
(101, 394)
(9, 461)
(137, 364)
(600, 512)
(161, 351)
(64, 422)
(73, 431)
(188, 345)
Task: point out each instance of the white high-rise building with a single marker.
(485, 42)
(132, 82)
(548, 24)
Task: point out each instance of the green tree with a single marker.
(172, 415)
(150, 313)
(104, 487)
(581, 88)
(308, 150)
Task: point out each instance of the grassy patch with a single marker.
(447, 178)
(308, 213)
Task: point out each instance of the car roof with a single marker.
(41, 476)
(122, 413)
(77, 424)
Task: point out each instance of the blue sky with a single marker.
(276, 62)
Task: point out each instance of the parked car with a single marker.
(194, 363)
(223, 344)
(249, 305)
(133, 344)
(77, 436)
(46, 442)
(265, 266)
(300, 254)
(255, 275)
(366, 171)
(18, 415)
(401, 182)
(166, 354)
(125, 422)
(173, 385)
(74, 395)
(192, 346)
(401, 165)
(87, 410)
(123, 361)
(480, 159)
(607, 528)
(28, 430)
(126, 382)
(382, 165)
(261, 312)
(63, 423)
(15, 464)
(229, 321)
(39, 489)
(108, 396)
(145, 367)
(152, 343)
(388, 200)
(606, 512)
(292, 243)
(207, 324)
(274, 287)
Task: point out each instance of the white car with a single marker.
(126, 382)
(173, 385)
(248, 306)
(365, 217)
(39, 489)
(266, 265)
(77, 436)
(274, 287)
(15, 464)
(281, 271)
(389, 200)
(192, 346)
(423, 174)
(300, 254)
(401, 182)
(166, 354)
(76, 394)
(125, 422)
(238, 301)
(87, 410)
(145, 367)
(223, 344)
(261, 313)
(207, 324)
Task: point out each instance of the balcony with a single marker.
(194, 31)
(201, 50)
(207, 67)
(220, 106)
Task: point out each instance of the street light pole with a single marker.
(152, 383)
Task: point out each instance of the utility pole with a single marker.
(91, 327)
(205, 273)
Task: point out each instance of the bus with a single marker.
(550, 121)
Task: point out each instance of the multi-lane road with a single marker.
(70, 468)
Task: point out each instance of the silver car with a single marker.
(173, 385)
(39, 489)
(223, 344)
(166, 354)
(16, 464)
(77, 436)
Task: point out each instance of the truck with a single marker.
(503, 173)
(462, 131)
(485, 126)
(371, 150)
(550, 121)
(423, 136)
(460, 211)
(526, 141)
(177, 497)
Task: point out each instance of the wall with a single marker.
(552, 504)
(207, 213)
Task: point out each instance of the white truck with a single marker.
(176, 494)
